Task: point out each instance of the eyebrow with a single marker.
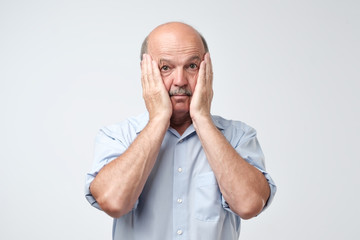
(192, 58)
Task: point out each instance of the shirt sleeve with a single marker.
(249, 149)
(107, 148)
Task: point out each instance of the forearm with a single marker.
(119, 184)
(243, 186)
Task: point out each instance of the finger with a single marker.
(149, 70)
(156, 73)
(209, 71)
(148, 73)
(154, 77)
(144, 72)
(201, 76)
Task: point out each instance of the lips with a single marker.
(179, 96)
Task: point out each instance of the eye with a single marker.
(164, 68)
(193, 66)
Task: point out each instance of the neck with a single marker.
(180, 123)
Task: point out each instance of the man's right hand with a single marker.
(119, 183)
(156, 96)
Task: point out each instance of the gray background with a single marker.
(288, 68)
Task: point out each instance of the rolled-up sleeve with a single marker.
(107, 148)
(249, 149)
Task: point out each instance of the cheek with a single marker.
(167, 82)
(192, 83)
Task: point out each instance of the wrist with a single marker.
(159, 121)
(202, 121)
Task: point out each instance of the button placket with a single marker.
(180, 214)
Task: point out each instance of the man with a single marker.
(178, 172)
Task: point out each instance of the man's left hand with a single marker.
(201, 100)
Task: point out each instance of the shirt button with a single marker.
(179, 169)
(179, 200)
(179, 232)
(181, 140)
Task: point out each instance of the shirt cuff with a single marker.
(273, 189)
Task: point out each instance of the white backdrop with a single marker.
(291, 69)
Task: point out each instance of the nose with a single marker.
(180, 79)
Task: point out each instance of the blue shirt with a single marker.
(181, 198)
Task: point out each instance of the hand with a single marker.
(201, 100)
(156, 96)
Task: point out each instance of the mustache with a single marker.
(180, 91)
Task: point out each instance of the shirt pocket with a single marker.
(207, 198)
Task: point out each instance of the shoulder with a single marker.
(234, 130)
(228, 124)
(128, 127)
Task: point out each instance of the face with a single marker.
(178, 52)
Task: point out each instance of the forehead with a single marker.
(175, 41)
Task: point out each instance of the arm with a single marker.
(119, 184)
(243, 186)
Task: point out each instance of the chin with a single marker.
(177, 110)
(180, 108)
(180, 111)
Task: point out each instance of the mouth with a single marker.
(179, 96)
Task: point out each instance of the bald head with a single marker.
(170, 33)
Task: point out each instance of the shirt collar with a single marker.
(217, 122)
(144, 119)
